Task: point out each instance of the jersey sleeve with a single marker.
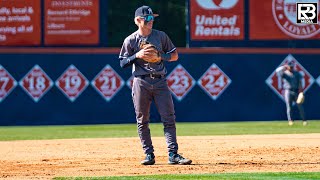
(126, 55)
(167, 45)
(126, 50)
(280, 70)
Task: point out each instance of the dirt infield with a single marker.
(46, 159)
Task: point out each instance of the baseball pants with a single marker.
(144, 91)
(291, 97)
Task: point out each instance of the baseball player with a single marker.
(291, 79)
(149, 83)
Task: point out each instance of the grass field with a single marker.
(183, 129)
(130, 130)
(228, 176)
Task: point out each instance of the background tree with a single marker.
(120, 21)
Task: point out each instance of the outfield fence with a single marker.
(87, 86)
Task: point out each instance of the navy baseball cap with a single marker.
(144, 11)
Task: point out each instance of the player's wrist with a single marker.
(137, 55)
(132, 58)
(165, 57)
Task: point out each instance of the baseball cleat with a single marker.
(178, 159)
(149, 160)
(290, 123)
(305, 123)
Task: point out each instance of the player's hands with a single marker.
(149, 53)
(146, 53)
(142, 54)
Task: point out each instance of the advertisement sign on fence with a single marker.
(277, 20)
(71, 22)
(216, 20)
(20, 22)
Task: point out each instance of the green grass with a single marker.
(224, 176)
(130, 130)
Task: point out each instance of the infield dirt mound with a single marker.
(45, 159)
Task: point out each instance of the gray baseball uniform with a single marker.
(149, 84)
(291, 85)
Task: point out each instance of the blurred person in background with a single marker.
(292, 85)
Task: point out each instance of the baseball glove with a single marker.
(300, 98)
(152, 53)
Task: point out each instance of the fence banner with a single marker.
(276, 20)
(216, 20)
(71, 22)
(20, 22)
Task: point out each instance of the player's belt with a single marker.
(152, 76)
